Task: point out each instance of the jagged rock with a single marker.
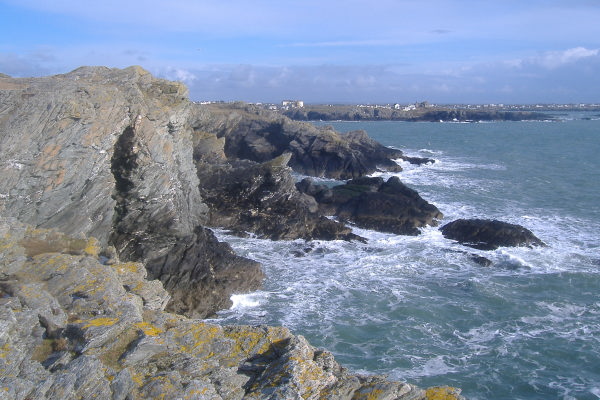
(202, 273)
(254, 134)
(374, 204)
(262, 198)
(489, 234)
(109, 153)
(106, 341)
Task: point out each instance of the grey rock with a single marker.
(114, 347)
(254, 134)
(109, 153)
(372, 203)
(262, 198)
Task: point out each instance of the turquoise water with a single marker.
(419, 309)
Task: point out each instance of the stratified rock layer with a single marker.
(75, 325)
(108, 153)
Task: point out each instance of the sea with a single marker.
(419, 309)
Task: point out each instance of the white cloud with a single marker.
(179, 74)
(554, 59)
(557, 59)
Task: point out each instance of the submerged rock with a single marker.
(372, 203)
(489, 234)
(73, 327)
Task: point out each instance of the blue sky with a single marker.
(510, 51)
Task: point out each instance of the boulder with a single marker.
(487, 234)
(372, 203)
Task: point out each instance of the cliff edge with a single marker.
(102, 229)
(76, 324)
(108, 153)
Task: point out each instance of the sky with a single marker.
(321, 51)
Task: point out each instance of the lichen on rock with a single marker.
(72, 327)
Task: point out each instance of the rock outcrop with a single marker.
(108, 153)
(246, 196)
(255, 134)
(78, 324)
(372, 203)
(486, 234)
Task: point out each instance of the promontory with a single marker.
(110, 183)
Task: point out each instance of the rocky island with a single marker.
(111, 180)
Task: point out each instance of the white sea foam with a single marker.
(430, 367)
(242, 301)
(421, 308)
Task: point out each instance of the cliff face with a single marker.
(77, 325)
(75, 145)
(108, 153)
(117, 155)
(251, 133)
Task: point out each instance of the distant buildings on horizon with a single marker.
(290, 104)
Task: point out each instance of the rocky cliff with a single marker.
(128, 173)
(252, 133)
(76, 324)
(108, 153)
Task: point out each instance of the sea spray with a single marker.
(420, 308)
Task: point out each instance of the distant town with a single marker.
(295, 104)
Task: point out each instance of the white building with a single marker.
(292, 104)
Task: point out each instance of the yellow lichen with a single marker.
(442, 393)
(126, 267)
(92, 247)
(149, 329)
(4, 350)
(138, 379)
(196, 339)
(100, 321)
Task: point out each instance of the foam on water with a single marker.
(420, 309)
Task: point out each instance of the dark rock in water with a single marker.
(263, 199)
(489, 234)
(372, 203)
(476, 258)
(202, 273)
(254, 134)
(484, 262)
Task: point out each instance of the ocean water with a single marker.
(418, 308)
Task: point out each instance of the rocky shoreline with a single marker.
(423, 114)
(111, 180)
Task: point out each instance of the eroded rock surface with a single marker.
(246, 196)
(372, 203)
(486, 234)
(254, 134)
(77, 325)
(108, 152)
